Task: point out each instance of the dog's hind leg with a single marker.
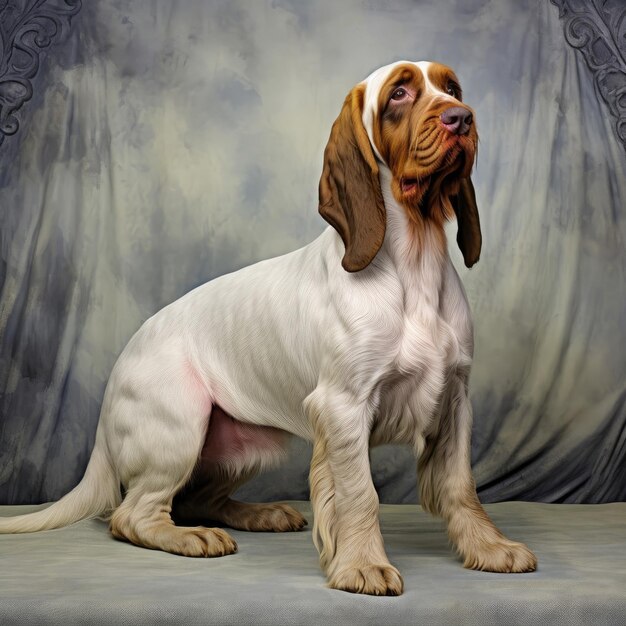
(156, 432)
(144, 519)
(211, 501)
(232, 454)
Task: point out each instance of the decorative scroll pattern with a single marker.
(598, 29)
(27, 27)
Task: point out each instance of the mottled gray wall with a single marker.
(176, 141)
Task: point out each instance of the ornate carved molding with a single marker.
(598, 29)
(27, 27)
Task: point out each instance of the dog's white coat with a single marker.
(264, 341)
(297, 343)
(263, 338)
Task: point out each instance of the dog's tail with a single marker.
(97, 494)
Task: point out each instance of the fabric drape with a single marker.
(173, 142)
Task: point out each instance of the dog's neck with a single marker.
(417, 248)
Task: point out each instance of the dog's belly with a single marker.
(229, 442)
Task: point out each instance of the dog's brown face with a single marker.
(425, 134)
(410, 117)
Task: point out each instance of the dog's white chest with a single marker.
(427, 341)
(425, 345)
(427, 353)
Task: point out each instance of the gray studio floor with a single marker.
(80, 575)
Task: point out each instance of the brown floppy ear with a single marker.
(349, 192)
(468, 236)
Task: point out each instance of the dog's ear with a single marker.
(350, 198)
(468, 236)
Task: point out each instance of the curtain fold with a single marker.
(172, 142)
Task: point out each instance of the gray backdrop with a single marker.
(170, 142)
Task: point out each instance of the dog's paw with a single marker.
(501, 556)
(201, 542)
(270, 517)
(280, 518)
(375, 580)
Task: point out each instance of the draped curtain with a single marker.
(147, 147)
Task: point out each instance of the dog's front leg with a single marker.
(447, 488)
(345, 504)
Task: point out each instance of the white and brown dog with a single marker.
(363, 337)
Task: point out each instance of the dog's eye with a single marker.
(453, 90)
(399, 94)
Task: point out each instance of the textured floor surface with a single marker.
(80, 575)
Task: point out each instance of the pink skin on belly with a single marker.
(229, 439)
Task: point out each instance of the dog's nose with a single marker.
(457, 120)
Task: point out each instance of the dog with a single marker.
(362, 337)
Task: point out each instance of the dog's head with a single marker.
(410, 117)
